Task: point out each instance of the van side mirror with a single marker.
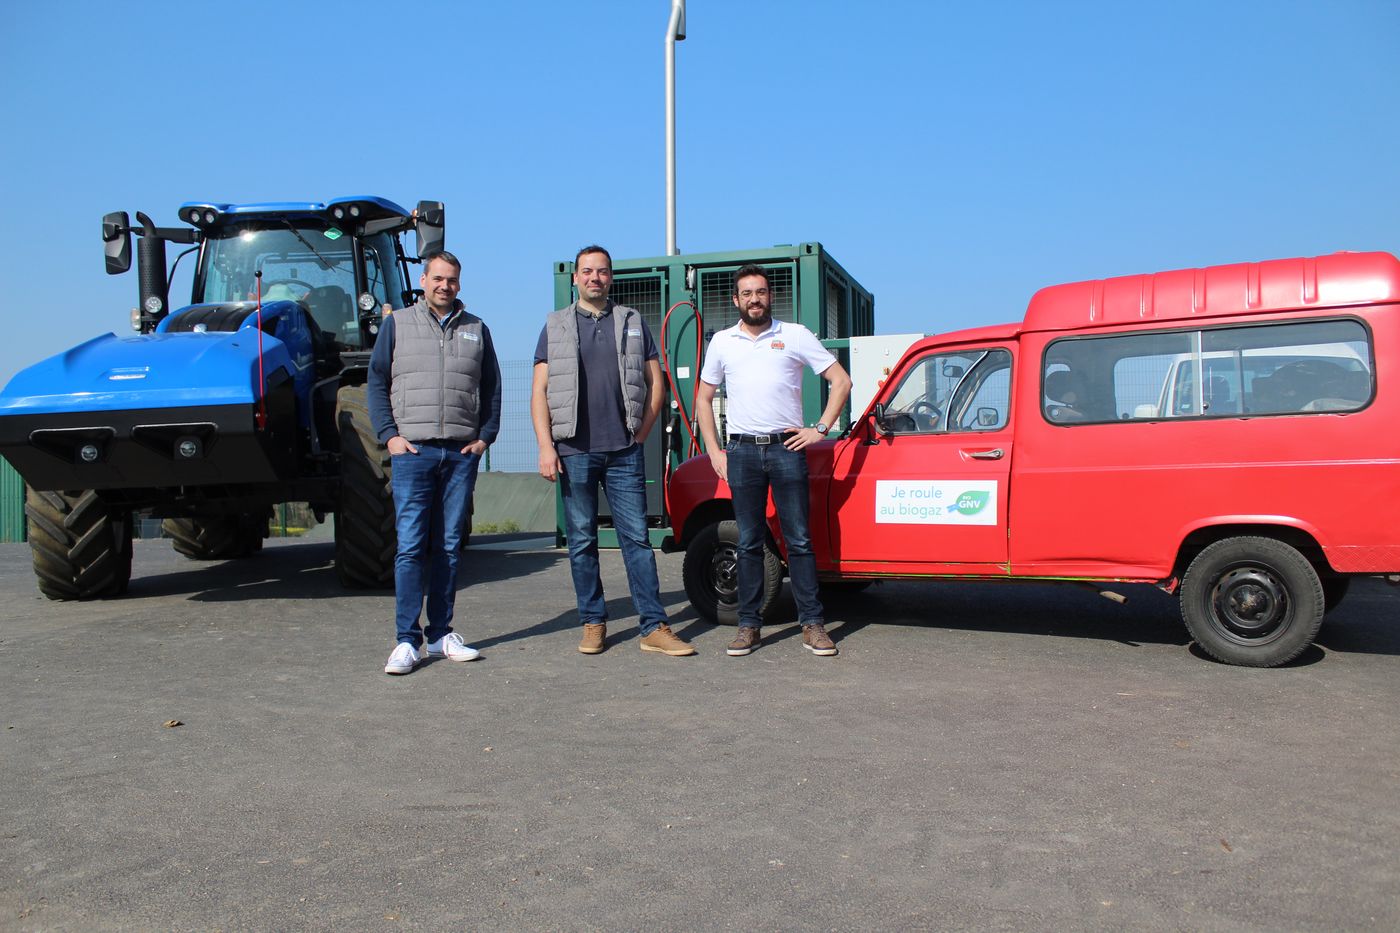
(953, 370)
(116, 241)
(987, 417)
(430, 226)
(878, 417)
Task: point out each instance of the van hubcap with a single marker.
(724, 574)
(1250, 602)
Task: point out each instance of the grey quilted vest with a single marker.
(435, 380)
(561, 330)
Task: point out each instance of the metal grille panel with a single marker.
(717, 293)
(643, 293)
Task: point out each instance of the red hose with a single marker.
(686, 418)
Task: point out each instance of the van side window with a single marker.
(952, 392)
(1262, 369)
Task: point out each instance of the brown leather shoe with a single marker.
(744, 642)
(816, 640)
(664, 640)
(594, 633)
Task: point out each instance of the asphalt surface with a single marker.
(978, 757)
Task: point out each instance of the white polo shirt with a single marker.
(763, 375)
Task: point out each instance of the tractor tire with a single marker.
(216, 537)
(1252, 601)
(81, 546)
(365, 539)
(711, 574)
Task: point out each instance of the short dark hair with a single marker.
(595, 248)
(749, 270)
(445, 256)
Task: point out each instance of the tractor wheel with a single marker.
(216, 537)
(711, 574)
(365, 540)
(1252, 601)
(81, 546)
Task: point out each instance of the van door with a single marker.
(922, 486)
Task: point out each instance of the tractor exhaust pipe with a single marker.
(150, 270)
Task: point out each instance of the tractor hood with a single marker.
(167, 369)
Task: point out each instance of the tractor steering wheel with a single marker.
(293, 283)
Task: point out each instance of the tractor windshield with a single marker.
(309, 263)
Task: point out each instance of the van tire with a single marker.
(1252, 601)
(1334, 589)
(711, 574)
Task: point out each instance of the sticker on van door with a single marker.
(935, 502)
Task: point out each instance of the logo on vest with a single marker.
(468, 335)
(634, 333)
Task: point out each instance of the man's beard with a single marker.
(754, 316)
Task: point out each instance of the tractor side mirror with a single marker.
(430, 226)
(116, 241)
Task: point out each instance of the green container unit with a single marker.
(809, 287)
(12, 523)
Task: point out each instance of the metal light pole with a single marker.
(675, 32)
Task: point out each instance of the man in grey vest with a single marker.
(597, 393)
(435, 403)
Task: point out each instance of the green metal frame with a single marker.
(823, 296)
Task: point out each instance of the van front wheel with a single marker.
(1252, 601)
(711, 574)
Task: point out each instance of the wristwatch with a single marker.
(822, 428)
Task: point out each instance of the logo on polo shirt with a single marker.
(777, 345)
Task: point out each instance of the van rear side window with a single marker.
(1262, 369)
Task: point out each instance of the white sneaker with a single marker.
(404, 659)
(451, 647)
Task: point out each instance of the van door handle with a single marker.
(996, 453)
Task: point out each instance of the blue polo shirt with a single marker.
(602, 422)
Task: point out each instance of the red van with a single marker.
(1224, 433)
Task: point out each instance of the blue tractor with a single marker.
(209, 415)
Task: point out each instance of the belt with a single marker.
(762, 440)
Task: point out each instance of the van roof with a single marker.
(1336, 280)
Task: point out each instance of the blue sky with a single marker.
(953, 157)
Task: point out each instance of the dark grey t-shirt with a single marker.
(602, 423)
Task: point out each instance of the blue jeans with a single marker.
(624, 480)
(432, 489)
(753, 470)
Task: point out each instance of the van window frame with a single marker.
(1195, 334)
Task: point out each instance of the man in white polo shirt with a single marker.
(760, 361)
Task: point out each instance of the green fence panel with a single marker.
(12, 524)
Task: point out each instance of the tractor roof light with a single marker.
(338, 212)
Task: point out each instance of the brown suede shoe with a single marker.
(664, 640)
(594, 634)
(746, 641)
(816, 640)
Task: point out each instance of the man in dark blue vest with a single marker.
(596, 396)
(435, 403)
